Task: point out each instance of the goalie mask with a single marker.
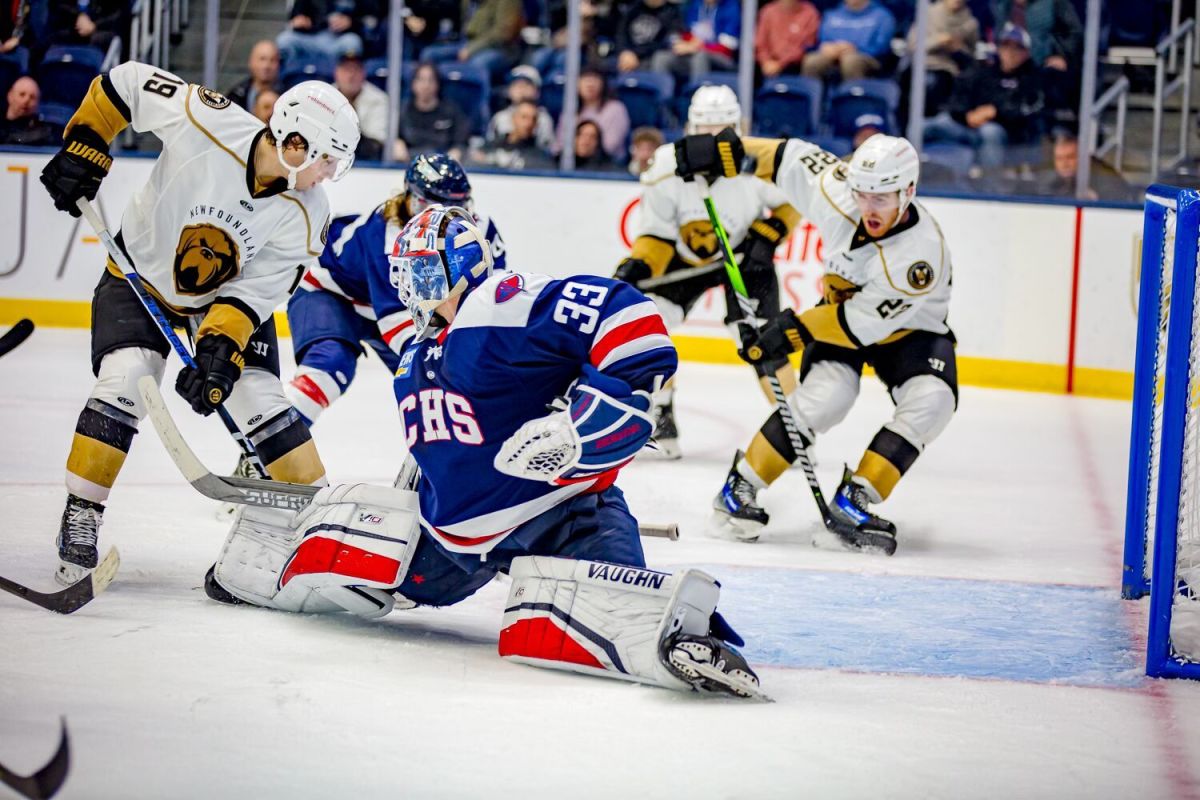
(439, 255)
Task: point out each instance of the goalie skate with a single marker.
(664, 442)
(710, 665)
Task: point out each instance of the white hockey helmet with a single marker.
(324, 117)
(885, 164)
(714, 105)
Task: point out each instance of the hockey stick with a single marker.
(46, 782)
(139, 288)
(258, 491)
(747, 311)
(75, 596)
(15, 335)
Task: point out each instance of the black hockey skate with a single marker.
(710, 665)
(216, 591)
(666, 435)
(77, 536)
(244, 469)
(854, 525)
(736, 511)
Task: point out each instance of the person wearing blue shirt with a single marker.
(855, 37)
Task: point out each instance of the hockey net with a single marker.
(1162, 548)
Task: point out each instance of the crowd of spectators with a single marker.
(1002, 75)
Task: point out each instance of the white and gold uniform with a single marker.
(886, 304)
(217, 247)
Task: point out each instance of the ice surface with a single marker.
(989, 658)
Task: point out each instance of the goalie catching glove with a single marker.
(599, 427)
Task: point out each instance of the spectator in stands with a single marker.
(645, 28)
(854, 39)
(493, 38)
(427, 21)
(589, 150)
(15, 30)
(642, 144)
(709, 41)
(322, 29)
(21, 124)
(87, 22)
(370, 103)
(995, 106)
(950, 46)
(866, 126)
(1104, 183)
(263, 66)
(524, 83)
(517, 149)
(787, 29)
(429, 123)
(1056, 36)
(264, 104)
(597, 103)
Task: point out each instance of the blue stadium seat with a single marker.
(66, 72)
(645, 95)
(470, 88)
(313, 69)
(946, 163)
(852, 99)
(377, 73)
(12, 66)
(787, 106)
(56, 114)
(838, 145)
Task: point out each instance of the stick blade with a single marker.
(15, 335)
(46, 782)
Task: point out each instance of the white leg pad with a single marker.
(343, 552)
(602, 619)
(257, 396)
(924, 406)
(826, 396)
(120, 371)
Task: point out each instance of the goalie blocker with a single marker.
(359, 549)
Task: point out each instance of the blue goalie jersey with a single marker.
(517, 342)
(355, 266)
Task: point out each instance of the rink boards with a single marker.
(1044, 294)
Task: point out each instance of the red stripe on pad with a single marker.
(623, 334)
(308, 278)
(541, 638)
(308, 387)
(318, 555)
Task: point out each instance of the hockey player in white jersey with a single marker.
(887, 295)
(227, 223)
(676, 257)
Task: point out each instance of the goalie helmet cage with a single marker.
(1162, 520)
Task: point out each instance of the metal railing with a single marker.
(1164, 89)
(1117, 93)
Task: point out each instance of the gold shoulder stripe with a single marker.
(828, 199)
(887, 274)
(307, 223)
(187, 106)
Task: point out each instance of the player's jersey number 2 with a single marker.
(579, 306)
(439, 416)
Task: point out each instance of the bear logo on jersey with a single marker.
(920, 275)
(205, 258)
(700, 238)
(212, 99)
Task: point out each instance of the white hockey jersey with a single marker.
(673, 213)
(203, 235)
(899, 282)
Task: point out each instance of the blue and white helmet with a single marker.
(436, 178)
(439, 255)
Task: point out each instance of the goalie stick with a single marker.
(746, 307)
(139, 288)
(46, 782)
(15, 335)
(75, 596)
(258, 491)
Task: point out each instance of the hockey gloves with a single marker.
(77, 169)
(758, 247)
(776, 339)
(709, 156)
(598, 428)
(633, 271)
(218, 366)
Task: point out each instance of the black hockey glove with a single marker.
(776, 339)
(764, 236)
(218, 366)
(709, 156)
(632, 271)
(77, 169)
